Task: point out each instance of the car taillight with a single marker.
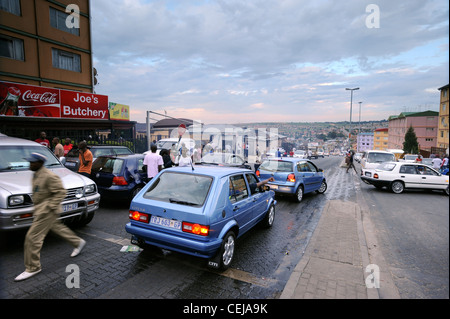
(375, 175)
(291, 178)
(119, 180)
(257, 173)
(138, 216)
(196, 229)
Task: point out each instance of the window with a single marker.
(303, 167)
(238, 188)
(252, 181)
(66, 60)
(11, 48)
(58, 21)
(407, 169)
(11, 6)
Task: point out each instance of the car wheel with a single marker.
(397, 187)
(270, 217)
(227, 250)
(446, 191)
(299, 194)
(323, 188)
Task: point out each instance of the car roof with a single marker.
(208, 170)
(123, 156)
(107, 146)
(7, 140)
(286, 159)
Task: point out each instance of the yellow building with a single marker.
(380, 139)
(442, 138)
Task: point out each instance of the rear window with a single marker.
(180, 188)
(108, 165)
(380, 157)
(386, 166)
(277, 166)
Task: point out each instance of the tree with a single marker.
(410, 145)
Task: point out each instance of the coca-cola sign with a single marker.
(36, 101)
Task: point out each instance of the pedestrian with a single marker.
(59, 149)
(153, 162)
(419, 159)
(350, 162)
(444, 163)
(166, 158)
(48, 193)
(185, 159)
(437, 162)
(67, 145)
(85, 156)
(43, 139)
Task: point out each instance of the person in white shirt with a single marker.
(437, 163)
(153, 162)
(185, 159)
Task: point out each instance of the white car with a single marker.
(373, 158)
(398, 176)
(410, 158)
(300, 154)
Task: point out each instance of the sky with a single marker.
(248, 61)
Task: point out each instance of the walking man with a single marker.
(48, 193)
(153, 162)
(59, 149)
(350, 162)
(85, 156)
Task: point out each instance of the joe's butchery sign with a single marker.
(36, 101)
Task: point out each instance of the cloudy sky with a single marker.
(236, 61)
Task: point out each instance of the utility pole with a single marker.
(351, 105)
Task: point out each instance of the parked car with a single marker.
(398, 176)
(119, 177)
(200, 212)
(357, 157)
(409, 158)
(293, 176)
(166, 143)
(72, 161)
(427, 161)
(372, 158)
(16, 203)
(225, 159)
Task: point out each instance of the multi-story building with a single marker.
(364, 142)
(380, 139)
(442, 137)
(425, 125)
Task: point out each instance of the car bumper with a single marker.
(281, 188)
(116, 192)
(374, 181)
(204, 249)
(22, 218)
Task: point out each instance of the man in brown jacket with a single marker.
(48, 193)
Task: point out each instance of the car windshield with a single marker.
(165, 144)
(386, 166)
(222, 158)
(180, 188)
(13, 157)
(410, 157)
(108, 165)
(277, 166)
(380, 157)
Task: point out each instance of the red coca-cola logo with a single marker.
(46, 97)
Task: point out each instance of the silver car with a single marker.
(16, 203)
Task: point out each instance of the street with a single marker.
(411, 230)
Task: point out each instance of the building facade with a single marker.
(442, 138)
(425, 125)
(381, 139)
(364, 142)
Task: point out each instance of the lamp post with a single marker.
(351, 105)
(359, 131)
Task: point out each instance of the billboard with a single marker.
(119, 112)
(37, 101)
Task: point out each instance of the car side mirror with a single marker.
(320, 170)
(266, 188)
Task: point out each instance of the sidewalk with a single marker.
(333, 266)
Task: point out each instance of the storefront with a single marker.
(27, 110)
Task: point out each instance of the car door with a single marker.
(241, 202)
(256, 195)
(410, 176)
(305, 174)
(430, 178)
(316, 178)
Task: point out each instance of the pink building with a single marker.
(425, 126)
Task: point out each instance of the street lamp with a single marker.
(359, 117)
(351, 105)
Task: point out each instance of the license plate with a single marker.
(175, 224)
(70, 207)
(71, 164)
(273, 186)
(368, 174)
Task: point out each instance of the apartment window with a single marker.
(11, 48)
(58, 21)
(66, 60)
(11, 6)
(429, 139)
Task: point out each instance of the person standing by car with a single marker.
(85, 156)
(48, 193)
(153, 162)
(437, 162)
(67, 146)
(444, 163)
(43, 140)
(185, 159)
(59, 149)
(350, 162)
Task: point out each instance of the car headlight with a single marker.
(16, 200)
(89, 189)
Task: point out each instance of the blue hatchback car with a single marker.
(200, 211)
(119, 177)
(293, 176)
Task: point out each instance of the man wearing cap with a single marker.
(48, 193)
